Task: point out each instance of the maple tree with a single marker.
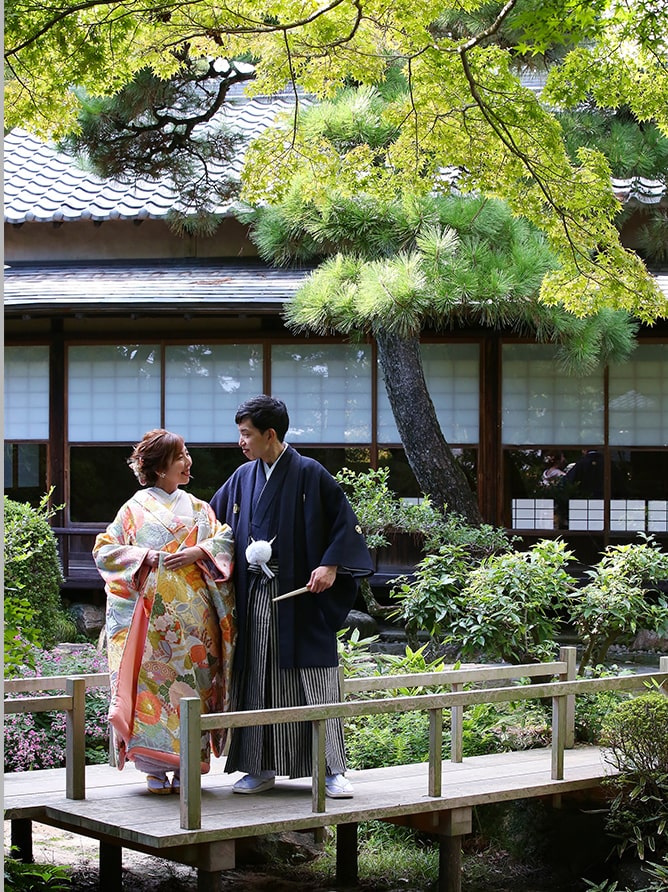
(465, 105)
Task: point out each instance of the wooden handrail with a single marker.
(53, 683)
(453, 676)
(73, 703)
(193, 724)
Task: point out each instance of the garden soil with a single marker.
(144, 873)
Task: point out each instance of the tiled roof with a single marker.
(44, 185)
(107, 288)
(639, 189)
(47, 186)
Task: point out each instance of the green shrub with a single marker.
(381, 512)
(636, 734)
(20, 635)
(615, 601)
(36, 877)
(431, 600)
(33, 572)
(509, 607)
(591, 710)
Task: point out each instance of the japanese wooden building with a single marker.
(114, 326)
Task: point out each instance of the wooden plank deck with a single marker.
(117, 805)
(120, 813)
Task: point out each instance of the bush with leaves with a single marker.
(592, 710)
(20, 634)
(37, 740)
(382, 514)
(617, 600)
(33, 573)
(510, 605)
(431, 600)
(21, 877)
(636, 735)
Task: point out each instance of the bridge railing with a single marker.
(193, 723)
(73, 703)
(456, 679)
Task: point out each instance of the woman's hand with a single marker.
(152, 559)
(183, 558)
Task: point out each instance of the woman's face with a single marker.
(177, 473)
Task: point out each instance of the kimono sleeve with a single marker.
(346, 546)
(217, 541)
(118, 558)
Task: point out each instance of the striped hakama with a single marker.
(261, 684)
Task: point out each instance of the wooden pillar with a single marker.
(209, 880)
(346, 854)
(22, 840)
(57, 472)
(453, 825)
(75, 740)
(212, 859)
(111, 867)
(450, 864)
(490, 464)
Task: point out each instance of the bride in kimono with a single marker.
(166, 562)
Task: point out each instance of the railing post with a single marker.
(75, 740)
(435, 748)
(319, 766)
(568, 655)
(663, 667)
(190, 763)
(456, 730)
(559, 708)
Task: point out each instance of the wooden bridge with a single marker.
(203, 826)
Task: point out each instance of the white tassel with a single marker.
(259, 552)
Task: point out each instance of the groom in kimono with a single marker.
(286, 652)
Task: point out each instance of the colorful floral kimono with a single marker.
(170, 633)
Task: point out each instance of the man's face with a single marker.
(254, 443)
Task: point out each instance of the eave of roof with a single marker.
(196, 287)
(102, 289)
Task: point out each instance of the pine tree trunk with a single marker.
(427, 451)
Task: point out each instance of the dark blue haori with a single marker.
(286, 652)
(306, 513)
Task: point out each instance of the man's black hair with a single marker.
(265, 412)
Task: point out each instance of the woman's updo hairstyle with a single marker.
(156, 451)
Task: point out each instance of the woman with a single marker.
(166, 562)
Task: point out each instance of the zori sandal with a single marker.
(158, 785)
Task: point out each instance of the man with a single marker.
(587, 474)
(286, 652)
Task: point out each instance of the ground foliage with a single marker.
(636, 736)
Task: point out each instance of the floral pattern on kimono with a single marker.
(170, 633)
